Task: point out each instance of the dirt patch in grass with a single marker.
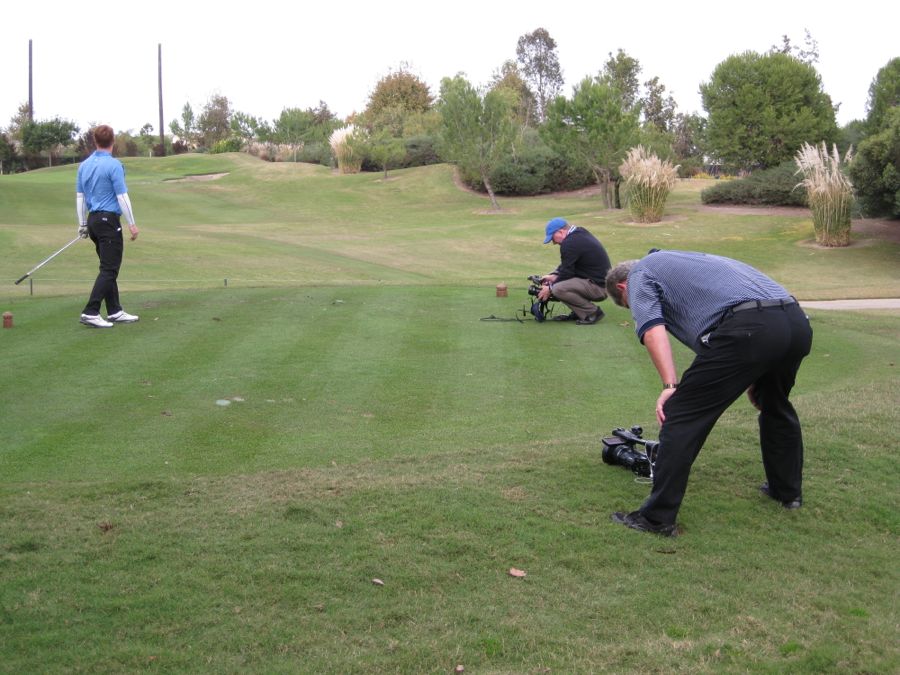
(885, 230)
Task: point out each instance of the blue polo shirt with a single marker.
(100, 178)
(690, 292)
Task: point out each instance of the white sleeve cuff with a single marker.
(125, 205)
(79, 209)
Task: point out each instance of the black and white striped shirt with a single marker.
(689, 292)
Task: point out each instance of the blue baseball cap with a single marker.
(553, 226)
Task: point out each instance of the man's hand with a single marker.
(549, 278)
(134, 231)
(544, 294)
(660, 402)
(751, 394)
(83, 231)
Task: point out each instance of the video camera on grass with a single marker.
(622, 448)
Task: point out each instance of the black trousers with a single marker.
(105, 230)
(758, 347)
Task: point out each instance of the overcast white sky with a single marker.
(98, 63)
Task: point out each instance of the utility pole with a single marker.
(162, 128)
(30, 94)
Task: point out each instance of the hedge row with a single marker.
(772, 187)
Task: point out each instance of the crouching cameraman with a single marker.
(580, 279)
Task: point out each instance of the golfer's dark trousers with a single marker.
(105, 230)
(762, 347)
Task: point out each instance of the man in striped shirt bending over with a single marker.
(748, 334)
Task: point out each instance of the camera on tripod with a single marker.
(624, 448)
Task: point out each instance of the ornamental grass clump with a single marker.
(828, 190)
(648, 181)
(349, 160)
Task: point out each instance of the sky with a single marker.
(98, 64)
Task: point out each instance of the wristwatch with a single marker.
(670, 385)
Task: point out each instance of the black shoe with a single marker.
(592, 319)
(571, 316)
(636, 521)
(790, 504)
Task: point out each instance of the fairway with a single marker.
(313, 455)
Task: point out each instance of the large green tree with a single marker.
(875, 171)
(536, 54)
(595, 126)
(214, 124)
(296, 127)
(477, 131)
(884, 95)
(48, 135)
(762, 108)
(399, 90)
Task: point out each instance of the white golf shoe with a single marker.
(95, 321)
(122, 317)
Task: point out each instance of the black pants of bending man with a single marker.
(758, 348)
(105, 230)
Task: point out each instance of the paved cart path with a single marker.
(875, 303)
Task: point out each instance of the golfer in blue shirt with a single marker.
(101, 199)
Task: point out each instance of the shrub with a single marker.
(525, 173)
(876, 170)
(769, 187)
(231, 144)
(315, 153)
(346, 153)
(535, 168)
(829, 192)
(648, 181)
(420, 151)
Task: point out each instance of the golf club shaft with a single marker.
(45, 261)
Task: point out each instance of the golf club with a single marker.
(45, 261)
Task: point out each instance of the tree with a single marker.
(657, 108)
(621, 71)
(18, 122)
(214, 124)
(761, 109)
(187, 129)
(296, 127)
(249, 128)
(125, 145)
(386, 150)
(8, 155)
(884, 95)
(595, 126)
(508, 77)
(875, 170)
(687, 143)
(809, 53)
(48, 135)
(399, 90)
(477, 131)
(536, 53)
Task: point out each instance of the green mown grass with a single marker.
(378, 429)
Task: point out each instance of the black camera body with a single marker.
(624, 449)
(540, 309)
